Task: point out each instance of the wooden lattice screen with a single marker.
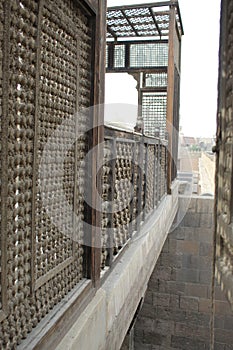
(52, 67)
(46, 53)
(134, 182)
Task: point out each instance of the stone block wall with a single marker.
(177, 308)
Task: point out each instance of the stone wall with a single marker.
(177, 309)
(207, 173)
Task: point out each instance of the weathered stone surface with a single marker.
(141, 346)
(223, 336)
(206, 249)
(205, 305)
(205, 234)
(188, 247)
(196, 290)
(182, 285)
(205, 206)
(161, 299)
(187, 275)
(205, 276)
(184, 329)
(183, 343)
(189, 303)
(206, 220)
(191, 220)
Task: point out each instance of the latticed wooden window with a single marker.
(154, 109)
(45, 80)
(146, 55)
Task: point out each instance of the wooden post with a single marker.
(140, 181)
(159, 172)
(155, 176)
(145, 184)
(111, 215)
(127, 56)
(170, 92)
(133, 162)
(111, 47)
(98, 138)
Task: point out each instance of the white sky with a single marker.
(199, 69)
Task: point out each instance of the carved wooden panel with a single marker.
(46, 54)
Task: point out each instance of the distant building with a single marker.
(189, 141)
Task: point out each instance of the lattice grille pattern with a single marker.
(57, 103)
(150, 178)
(123, 189)
(141, 22)
(119, 56)
(22, 73)
(55, 246)
(147, 55)
(163, 175)
(154, 111)
(106, 196)
(133, 183)
(158, 80)
(121, 27)
(163, 21)
(140, 55)
(64, 50)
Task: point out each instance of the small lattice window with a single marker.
(154, 110)
(149, 55)
(119, 56)
(156, 80)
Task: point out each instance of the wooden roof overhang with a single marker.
(143, 20)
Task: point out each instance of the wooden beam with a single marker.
(110, 56)
(138, 6)
(135, 69)
(179, 15)
(154, 89)
(111, 215)
(133, 42)
(127, 55)
(98, 137)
